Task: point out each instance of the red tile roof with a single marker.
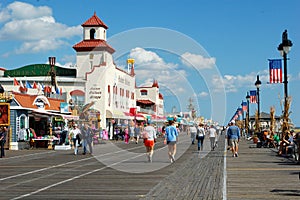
(93, 45)
(160, 96)
(94, 21)
(26, 101)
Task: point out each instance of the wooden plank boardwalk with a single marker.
(120, 171)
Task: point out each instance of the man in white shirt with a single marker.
(76, 138)
(212, 137)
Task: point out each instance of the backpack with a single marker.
(200, 132)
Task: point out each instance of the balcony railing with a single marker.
(147, 111)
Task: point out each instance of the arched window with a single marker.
(144, 92)
(92, 34)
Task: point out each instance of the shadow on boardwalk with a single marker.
(258, 173)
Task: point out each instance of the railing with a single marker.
(147, 111)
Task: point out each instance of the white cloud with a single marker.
(19, 11)
(34, 27)
(233, 83)
(197, 61)
(203, 94)
(142, 56)
(149, 65)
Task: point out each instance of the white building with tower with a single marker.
(95, 82)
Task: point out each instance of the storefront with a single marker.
(36, 121)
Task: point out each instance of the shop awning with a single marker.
(145, 101)
(158, 118)
(108, 114)
(139, 117)
(47, 113)
(117, 114)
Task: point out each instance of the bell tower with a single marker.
(93, 49)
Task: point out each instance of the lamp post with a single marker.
(53, 83)
(257, 85)
(284, 48)
(247, 113)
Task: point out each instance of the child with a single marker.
(126, 137)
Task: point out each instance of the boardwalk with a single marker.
(120, 171)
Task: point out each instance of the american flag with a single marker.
(275, 70)
(244, 106)
(253, 96)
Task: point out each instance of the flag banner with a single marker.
(28, 85)
(21, 84)
(244, 106)
(239, 111)
(34, 86)
(16, 83)
(253, 96)
(275, 71)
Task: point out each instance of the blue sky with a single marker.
(234, 37)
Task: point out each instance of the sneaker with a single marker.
(173, 158)
(236, 155)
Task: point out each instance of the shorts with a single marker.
(233, 142)
(149, 143)
(171, 142)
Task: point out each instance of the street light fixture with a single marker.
(247, 114)
(257, 85)
(284, 48)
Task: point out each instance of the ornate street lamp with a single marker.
(284, 48)
(257, 85)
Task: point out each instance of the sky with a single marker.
(209, 51)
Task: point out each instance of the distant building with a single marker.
(265, 121)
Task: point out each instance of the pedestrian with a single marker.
(171, 138)
(200, 136)
(233, 134)
(87, 138)
(126, 135)
(193, 132)
(137, 132)
(149, 135)
(75, 132)
(131, 132)
(3, 133)
(212, 137)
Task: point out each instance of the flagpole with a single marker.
(257, 85)
(284, 48)
(248, 120)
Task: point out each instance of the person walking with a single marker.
(137, 132)
(126, 136)
(3, 132)
(233, 134)
(212, 137)
(87, 138)
(76, 138)
(171, 138)
(193, 132)
(131, 131)
(149, 140)
(200, 136)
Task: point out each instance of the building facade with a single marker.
(95, 82)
